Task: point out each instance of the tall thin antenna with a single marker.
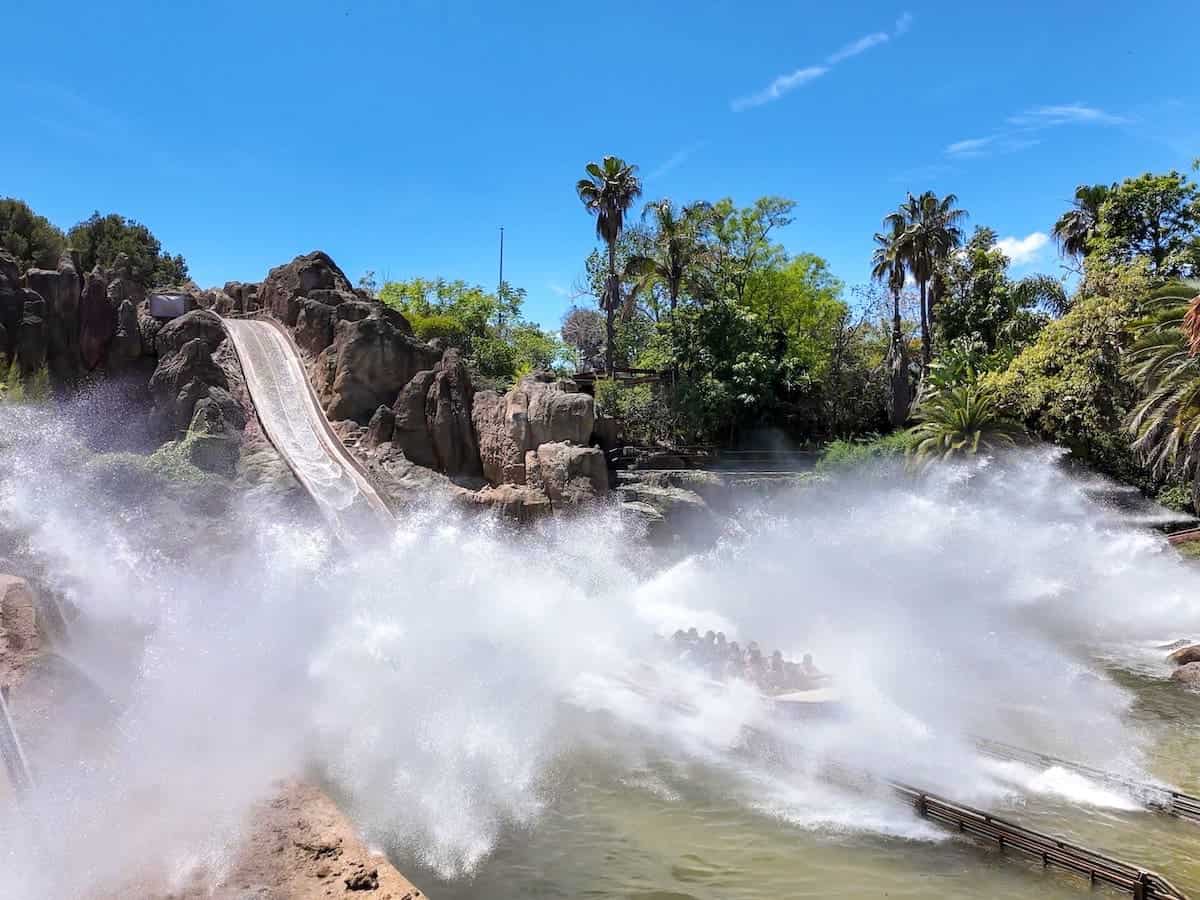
(500, 286)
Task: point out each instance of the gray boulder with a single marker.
(365, 367)
(197, 325)
(1188, 674)
(284, 285)
(61, 290)
(381, 427)
(538, 410)
(213, 440)
(568, 474)
(180, 381)
(97, 321)
(32, 335)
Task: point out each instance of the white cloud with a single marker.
(678, 158)
(970, 147)
(1066, 114)
(863, 44)
(558, 289)
(1022, 251)
(792, 80)
(779, 87)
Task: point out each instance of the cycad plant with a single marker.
(1164, 363)
(962, 421)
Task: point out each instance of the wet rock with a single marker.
(97, 321)
(11, 301)
(403, 483)
(1188, 674)
(181, 379)
(1189, 653)
(18, 615)
(213, 442)
(567, 474)
(519, 502)
(366, 366)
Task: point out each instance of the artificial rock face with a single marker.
(539, 410)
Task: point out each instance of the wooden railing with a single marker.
(1097, 867)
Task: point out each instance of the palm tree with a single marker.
(1164, 363)
(678, 245)
(608, 192)
(888, 268)
(962, 421)
(932, 230)
(1074, 230)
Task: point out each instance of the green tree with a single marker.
(32, 239)
(608, 192)
(932, 230)
(1076, 228)
(801, 300)
(980, 303)
(678, 241)
(887, 267)
(742, 243)
(101, 239)
(1155, 217)
(1163, 364)
(1067, 386)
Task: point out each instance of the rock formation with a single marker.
(539, 410)
(566, 473)
(97, 321)
(365, 367)
(285, 285)
(61, 290)
(431, 419)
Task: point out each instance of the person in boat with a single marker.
(808, 668)
(776, 674)
(755, 668)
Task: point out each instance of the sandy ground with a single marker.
(303, 848)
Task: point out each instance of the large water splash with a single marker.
(438, 678)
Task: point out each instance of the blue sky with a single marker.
(400, 136)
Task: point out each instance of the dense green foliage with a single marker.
(18, 388)
(34, 240)
(962, 420)
(101, 239)
(499, 344)
(1163, 365)
(98, 240)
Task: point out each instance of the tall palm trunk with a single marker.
(610, 308)
(926, 344)
(898, 370)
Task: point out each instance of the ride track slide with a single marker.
(293, 420)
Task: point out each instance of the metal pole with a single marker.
(500, 286)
